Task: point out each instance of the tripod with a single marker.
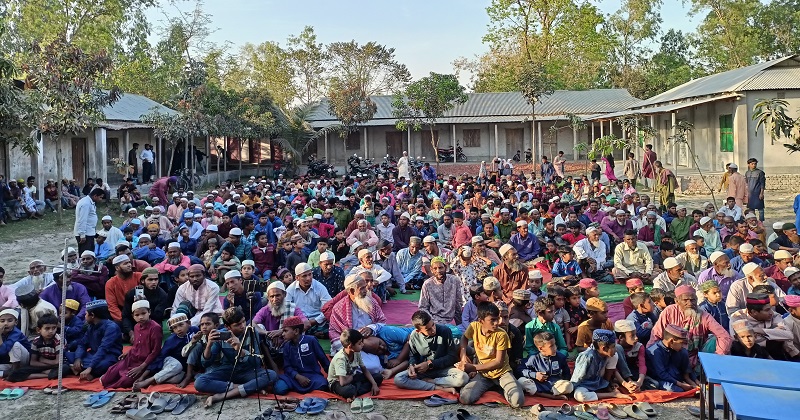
(254, 350)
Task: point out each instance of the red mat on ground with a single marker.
(398, 312)
(388, 392)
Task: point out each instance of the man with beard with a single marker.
(269, 319)
(787, 239)
(381, 276)
(363, 235)
(720, 271)
(36, 277)
(147, 250)
(673, 277)
(358, 311)
(593, 247)
(119, 285)
(511, 274)
(309, 295)
(754, 275)
(75, 291)
(691, 260)
(616, 226)
(91, 275)
(71, 260)
(402, 233)
(650, 234)
(701, 325)
(440, 295)
(526, 245)
(330, 275)
(632, 259)
(197, 296)
(386, 259)
(173, 259)
(445, 231)
(211, 231)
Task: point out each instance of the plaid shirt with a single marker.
(48, 351)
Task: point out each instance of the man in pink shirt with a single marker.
(737, 185)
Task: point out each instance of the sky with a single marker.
(428, 35)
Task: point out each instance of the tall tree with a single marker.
(632, 28)
(779, 20)
(534, 82)
(425, 101)
(727, 38)
(307, 58)
(350, 104)
(673, 64)
(266, 66)
(370, 68)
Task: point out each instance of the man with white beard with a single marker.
(269, 319)
(71, 261)
(753, 276)
(593, 247)
(91, 275)
(358, 311)
(701, 325)
(36, 277)
(691, 260)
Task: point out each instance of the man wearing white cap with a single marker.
(719, 271)
(309, 295)
(330, 275)
(269, 319)
(710, 235)
(615, 227)
(511, 274)
(358, 310)
(37, 276)
(753, 276)
(593, 247)
(363, 234)
(441, 295)
(91, 275)
(786, 239)
(526, 245)
(402, 233)
(691, 260)
(113, 234)
(119, 285)
(195, 229)
(379, 275)
(746, 255)
(783, 260)
(673, 277)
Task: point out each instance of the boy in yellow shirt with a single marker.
(491, 349)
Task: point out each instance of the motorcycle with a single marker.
(320, 168)
(389, 167)
(446, 155)
(528, 155)
(415, 166)
(361, 167)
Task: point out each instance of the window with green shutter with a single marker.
(726, 133)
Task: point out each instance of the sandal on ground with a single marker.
(156, 402)
(172, 402)
(367, 405)
(186, 402)
(566, 409)
(615, 410)
(646, 408)
(103, 400)
(88, 402)
(140, 414)
(633, 411)
(355, 406)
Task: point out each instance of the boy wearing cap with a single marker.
(588, 378)
(146, 347)
(100, 346)
(170, 365)
(771, 332)
(31, 309)
(631, 369)
(302, 359)
(668, 361)
(633, 285)
(518, 309)
(15, 347)
(709, 234)
(745, 344)
(73, 325)
(102, 249)
(598, 319)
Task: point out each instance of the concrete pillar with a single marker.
(674, 144)
(496, 152)
(575, 154)
(408, 131)
(327, 158)
(592, 136)
(453, 142)
(366, 141)
(157, 161)
(602, 130)
(539, 138)
(100, 151)
(127, 136)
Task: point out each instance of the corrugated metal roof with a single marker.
(504, 107)
(658, 109)
(774, 78)
(131, 107)
(725, 82)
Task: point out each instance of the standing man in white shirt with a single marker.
(148, 158)
(86, 220)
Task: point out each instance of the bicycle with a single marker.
(187, 179)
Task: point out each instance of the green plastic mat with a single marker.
(612, 293)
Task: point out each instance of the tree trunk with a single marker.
(240, 158)
(533, 140)
(435, 144)
(59, 176)
(171, 159)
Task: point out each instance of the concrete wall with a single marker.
(772, 154)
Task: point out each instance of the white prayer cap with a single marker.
(174, 245)
(505, 248)
(704, 220)
(236, 232)
(120, 259)
(276, 285)
(749, 268)
(671, 263)
(145, 235)
(327, 256)
(302, 268)
(212, 228)
(746, 248)
(781, 254)
(715, 256)
(428, 239)
(106, 217)
(232, 274)
(591, 229)
(251, 263)
(363, 253)
(534, 274)
(58, 269)
(619, 212)
(88, 253)
(689, 242)
(351, 281)
(139, 304)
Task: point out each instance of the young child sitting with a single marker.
(491, 345)
(535, 284)
(170, 365)
(642, 317)
(545, 312)
(589, 377)
(226, 261)
(588, 289)
(101, 344)
(659, 298)
(772, 334)
(43, 352)
(146, 346)
(668, 361)
(598, 319)
(493, 289)
(347, 375)
(769, 290)
(561, 317)
(470, 311)
(302, 359)
(713, 304)
(208, 256)
(194, 352)
(546, 373)
(745, 344)
(634, 285)
(15, 347)
(73, 325)
(566, 269)
(793, 276)
(518, 309)
(577, 315)
(631, 366)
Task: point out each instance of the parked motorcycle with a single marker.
(415, 166)
(320, 168)
(362, 167)
(389, 167)
(446, 155)
(528, 155)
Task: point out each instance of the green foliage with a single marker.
(297, 134)
(350, 104)
(308, 59)
(773, 117)
(265, 66)
(727, 38)
(534, 82)
(370, 68)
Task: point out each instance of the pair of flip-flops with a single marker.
(13, 393)
(459, 414)
(311, 406)
(362, 405)
(98, 399)
(438, 401)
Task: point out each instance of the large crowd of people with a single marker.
(302, 260)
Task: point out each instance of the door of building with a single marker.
(427, 147)
(394, 143)
(79, 159)
(514, 141)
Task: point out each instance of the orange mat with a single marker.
(388, 392)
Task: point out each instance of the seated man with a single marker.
(197, 296)
(432, 354)
(173, 259)
(269, 319)
(380, 276)
(309, 295)
(363, 235)
(359, 311)
(118, 286)
(768, 326)
(410, 262)
(241, 294)
(331, 276)
(691, 260)
(91, 275)
(36, 277)
(512, 273)
(31, 308)
(753, 276)
(75, 291)
(632, 259)
(527, 245)
(387, 259)
(441, 295)
(673, 276)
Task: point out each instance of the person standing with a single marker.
(133, 162)
(148, 158)
(633, 171)
(609, 161)
(559, 162)
(86, 220)
(402, 167)
(546, 170)
(665, 184)
(756, 184)
(737, 185)
(648, 159)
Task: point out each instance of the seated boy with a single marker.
(598, 319)
(470, 311)
(302, 359)
(588, 289)
(561, 317)
(545, 312)
(15, 347)
(566, 269)
(73, 325)
(660, 300)
(713, 304)
(668, 361)
(546, 373)
(347, 375)
(769, 290)
(589, 379)
(193, 350)
(44, 352)
(491, 345)
(535, 284)
(432, 354)
(101, 344)
(631, 367)
(745, 344)
(518, 309)
(634, 285)
(771, 333)
(642, 316)
(170, 366)
(577, 314)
